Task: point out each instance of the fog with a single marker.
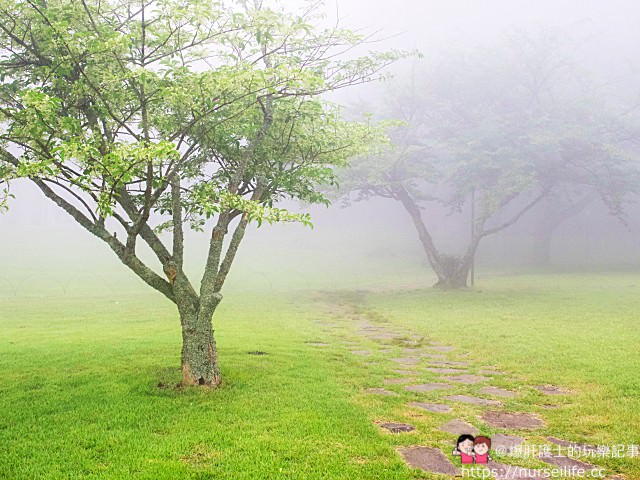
(374, 242)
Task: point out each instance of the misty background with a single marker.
(373, 242)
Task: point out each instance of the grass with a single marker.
(79, 375)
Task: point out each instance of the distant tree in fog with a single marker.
(503, 128)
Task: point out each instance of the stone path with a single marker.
(426, 360)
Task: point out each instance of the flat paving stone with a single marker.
(318, 344)
(458, 427)
(428, 459)
(442, 348)
(562, 461)
(395, 381)
(503, 443)
(511, 420)
(445, 370)
(433, 355)
(427, 387)
(466, 379)
(405, 372)
(473, 400)
(362, 353)
(448, 362)
(490, 372)
(551, 390)
(381, 391)
(498, 392)
(406, 360)
(397, 427)
(431, 407)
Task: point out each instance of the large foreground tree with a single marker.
(490, 135)
(142, 116)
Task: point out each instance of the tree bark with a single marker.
(199, 361)
(452, 271)
(199, 353)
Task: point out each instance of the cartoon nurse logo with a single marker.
(481, 447)
(464, 449)
(473, 450)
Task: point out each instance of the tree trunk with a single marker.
(199, 353)
(541, 254)
(452, 272)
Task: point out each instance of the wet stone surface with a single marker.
(428, 459)
(467, 379)
(473, 400)
(406, 360)
(397, 427)
(445, 370)
(551, 390)
(512, 420)
(503, 443)
(498, 392)
(381, 391)
(431, 407)
(441, 348)
(405, 372)
(447, 362)
(427, 387)
(458, 427)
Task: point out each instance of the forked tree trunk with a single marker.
(452, 271)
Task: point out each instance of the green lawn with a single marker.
(79, 375)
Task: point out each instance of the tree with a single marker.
(495, 132)
(137, 117)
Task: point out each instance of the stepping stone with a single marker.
(433, 355)
(442, 348)
(584, 447)
(447, 362)
(398, 427)
(318, 344)
(458, 427)
(473, 400)
(432, 407)
(503, 443)
(503, 471)
(466, 379)
(562, 462)
(381, 391)
(411, 350)
(511, 420)
(427, 387)
(363, 353)
(490, 372)
(406, 360)
(395, 381)
(551, 390)
(405, 372)
(498, 392)
(549, 406)
(445, 370)
(428, 459)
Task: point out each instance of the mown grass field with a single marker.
(80, 375)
